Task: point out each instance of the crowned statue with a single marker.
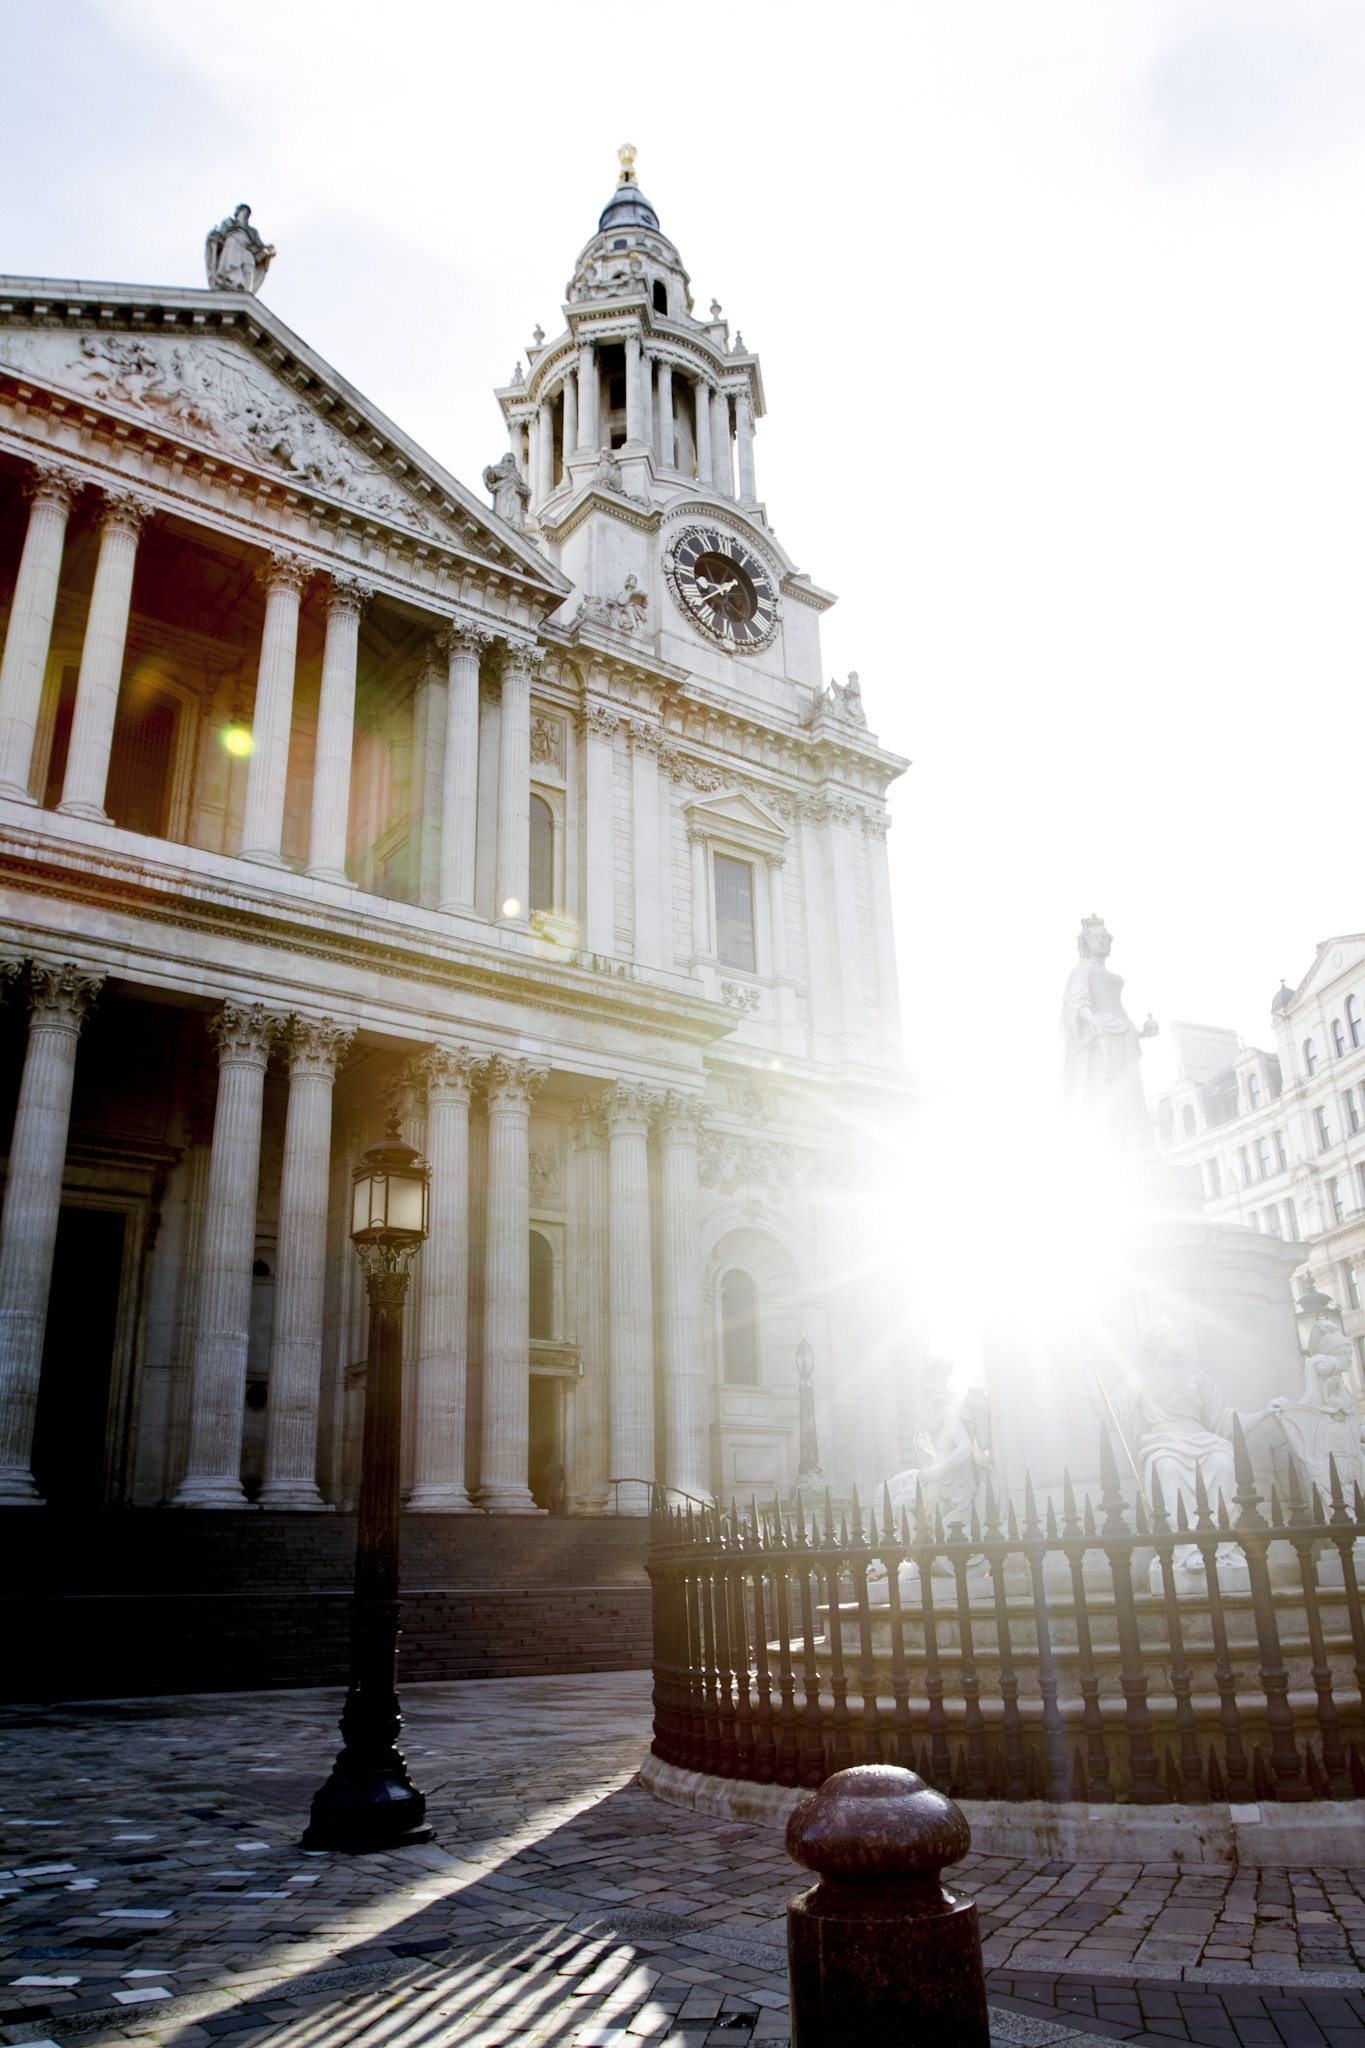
(1102, 1046)
(235, 257)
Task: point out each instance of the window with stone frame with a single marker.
(1338, 1039)
(1281, 1152)
(1353, 1108)
(1324, 1129)
(1291, 1222)
(1254, 1090)
(1263, 1165)
(541, 882)
(1310, 1057)
(735, 937)
(1355, 1021)
(739, 1328)
(541, 1291)
(1335, 1202)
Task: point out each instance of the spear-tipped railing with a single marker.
(1154, 1652)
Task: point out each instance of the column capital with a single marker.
(588, 1127)
(469, 642)
(680, 1116)
(348, 594)
(284, 571)
(601, 722)
(244, 1033)
(628, 1107)
(59, 997)
(317, 1045)
(511, 1083)
(697, 835)
(125, 512)
(51, 483)
(518, 659)
(449, 1071)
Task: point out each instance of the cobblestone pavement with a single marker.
(152, 1890)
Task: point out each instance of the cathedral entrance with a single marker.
(71, 1429)
(545, 1457)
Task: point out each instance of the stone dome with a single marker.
(1282, 998)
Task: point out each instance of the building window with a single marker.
(542, 875)
(1334, 1197)
(541, 1295)
(1355, 1020)
(739, 1328)
(1166, 1119)
(1353, 1108)
(1187, 1120)
(1254, 1090)
(1360, 1177)
(1245, 1157)
(1263, 1164)
(1338, 1038)
(1350, 1273)
(1212, 1178)
(1272, 1221)
(1310, 1057)
(735, 912)
(1324, 1129)
(1291, 1222)
(1281, 1156)
(660, 296)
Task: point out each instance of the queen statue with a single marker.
(1102, 1048)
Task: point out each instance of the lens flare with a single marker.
(511, 908)
(237, 740)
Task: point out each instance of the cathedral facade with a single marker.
(330, 796)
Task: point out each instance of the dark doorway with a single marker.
(140, 760)
(545, 1463)
(78, 1354)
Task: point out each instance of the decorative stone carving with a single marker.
(588, 1126)
(284, 571)
(512, 1083)
(60, 996)
(520, 659)
(754, 1103)
(348, 594)
(843, 700)
(50, 483)
(317, 1045)
(449, 1071)
(947, 1475)
(1321, 1426)
(244, 1034)
(470, 641)
(601, 722)
(235, 257)
(509, 490)
(544, 1172)
(547, 743)
(681, 1113)
(729, 1163)
(125, 511)
(629, 1106)
(739, 995)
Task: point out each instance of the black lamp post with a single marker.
(1314, 1307)
(369, 1801)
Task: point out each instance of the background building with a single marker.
(326, 795)
(1279, 1137)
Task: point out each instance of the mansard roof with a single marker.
(218, 372)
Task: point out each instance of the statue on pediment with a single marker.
(235, 257)
(510, 492)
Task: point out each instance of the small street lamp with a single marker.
(1314, 1307)
(369, 1801)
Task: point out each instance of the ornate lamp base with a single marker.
(366, 1806)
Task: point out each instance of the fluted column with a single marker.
(514, 786)
(438, 1485)
(663, 414)
(570, 417)
(52, 491)
(218, 1386)
(628, 1109)
(599, 728)
(687, 1422)
(744, 442)
(634, 412)
(589, 400)
(283, 580)
(106, 634)
(58, 1000)
(505, 1439)
(647, 400)
(316, 1048)
(460, 776)
(721, 468)
(545, 452)
(701, 398)
(346, 600)
(592, 1444)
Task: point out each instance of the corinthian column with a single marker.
(460, 775)
(744, 441)
(52, 491)
(505, 1439)
(628, 1109)
(59, 998)
(346, 600)
(514, 786)
(701, 397)
(268, 770)
(687, 1422)
(663, 416)
(106, 632)
(438, 1485)
(570, 427)
(589, 400)
(291, 1435)
(592, 1446)
(634, 409)
(218, 1387)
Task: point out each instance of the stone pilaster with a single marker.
(59, 998)
(316, 1048)
(651, 907)
(588, 1474)
(687, 1422)
(106, 634)
(628, 1108)
(505, 1442)
(599, 728)
(346, 602)
(721, 464)
(463, 646)
(439, 1452)
(514, 786)
(218, 1386)
(744, 442)
(52, 491)
(283, 580)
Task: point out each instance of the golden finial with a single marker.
(627, 155)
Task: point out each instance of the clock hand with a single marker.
(719, 589)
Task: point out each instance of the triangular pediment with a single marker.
(1336, 957)
(737, 811)
(233, 383)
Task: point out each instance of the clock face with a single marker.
(724, 588)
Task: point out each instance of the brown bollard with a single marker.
(878, 1952)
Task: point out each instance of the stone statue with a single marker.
(1174, 1419)
(1322, 1425)
(629, 607)
(235, 257)
(607, 475)
(509, 490)
(1103, 1082)
(948, 1477)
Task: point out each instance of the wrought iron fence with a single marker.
(1095, 1656)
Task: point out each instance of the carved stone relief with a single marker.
(547, 743)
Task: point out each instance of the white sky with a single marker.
(1060, 307)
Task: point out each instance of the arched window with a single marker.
(542, 882)
(541, 1298)
(1310, 1056)
(1254, 1091)
(1338, 1039)
(739, 1328)
(660, 296)
(1355, 1020)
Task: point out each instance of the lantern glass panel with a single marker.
(405, 1203)
(360, 1204)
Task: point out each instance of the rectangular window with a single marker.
(1253, 1091)
(1263, 1158)
(1351, 1274)
(1291, 1222)
(1324, 1129)
(1360, 1177)
(1281, 1156)
(1246, 1166)
(1353, 1108)
(735, 913)
(1334, 1197)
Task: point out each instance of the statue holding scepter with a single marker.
(1103, 1082)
